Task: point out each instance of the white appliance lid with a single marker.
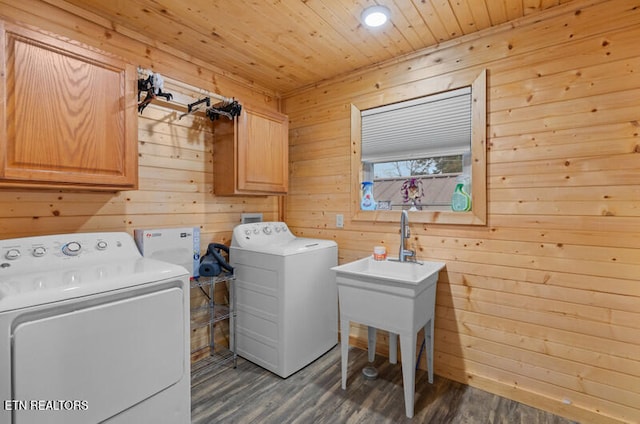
(294, 247)
(42, 287)
(274, 238)
(45, 269)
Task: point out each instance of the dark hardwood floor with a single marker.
(249, 394)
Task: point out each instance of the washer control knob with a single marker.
(277, 229)
(72, 248)
(284, 228)
(247, 232)
(39, 251)
(266, 230)
(12, 254)
(101, 245)
(256, 231)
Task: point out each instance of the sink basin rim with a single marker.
(367, 267)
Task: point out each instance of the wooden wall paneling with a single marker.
(337, 128)
(496, 329)
(596, 286)
(559, 341)
(605, 255)
(475, 365)
(323, 149)
(602, 268)
(546, 244)
(615, 379)
(319, 202)
(613, 224)
(310, 168)
(568, 314)
(605, 139)
(507, 175)
(617, 208)
(605, 304)
(561, 348)
(541, 304)
(321, 184)
(589, 237)
(175, 155)
(566, 84)
(566, 373)
(598, 110)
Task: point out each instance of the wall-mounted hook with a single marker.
(228, 109)
(153, 85)
(191, 107)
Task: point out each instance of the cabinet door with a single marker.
(262, 151)
(68, 114)
(251, 153)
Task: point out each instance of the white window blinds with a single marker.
(431, 126)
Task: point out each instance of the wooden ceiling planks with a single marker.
(289, 44)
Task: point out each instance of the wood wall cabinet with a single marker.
(251, 153)
(68, 114)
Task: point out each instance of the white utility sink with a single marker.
(398, 297)
(390, 270)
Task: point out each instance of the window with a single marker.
(437, 139)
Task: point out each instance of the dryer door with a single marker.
(86, 364)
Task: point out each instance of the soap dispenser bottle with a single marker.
(460, 200)
(367, 203)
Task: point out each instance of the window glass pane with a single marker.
(422, 166)
(434, 178)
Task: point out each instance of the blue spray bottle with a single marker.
(367, 203)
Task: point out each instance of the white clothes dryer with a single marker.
(286, 296)
(91, 332)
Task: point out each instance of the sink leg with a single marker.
(344, 349)
(371, 343)
(428, 339)
(393, 348)
(408, 353)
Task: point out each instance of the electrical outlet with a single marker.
(339, 220)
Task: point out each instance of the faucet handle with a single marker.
(409, 253)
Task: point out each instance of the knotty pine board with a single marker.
(541, 304)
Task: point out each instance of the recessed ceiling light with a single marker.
(375, 16)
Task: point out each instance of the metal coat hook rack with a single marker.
(194, 107)
(153, 84)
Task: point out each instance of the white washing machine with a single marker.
(91, 332)
(287, 299)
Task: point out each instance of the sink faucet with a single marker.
(404, 235)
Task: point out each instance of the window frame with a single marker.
(478, 213)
